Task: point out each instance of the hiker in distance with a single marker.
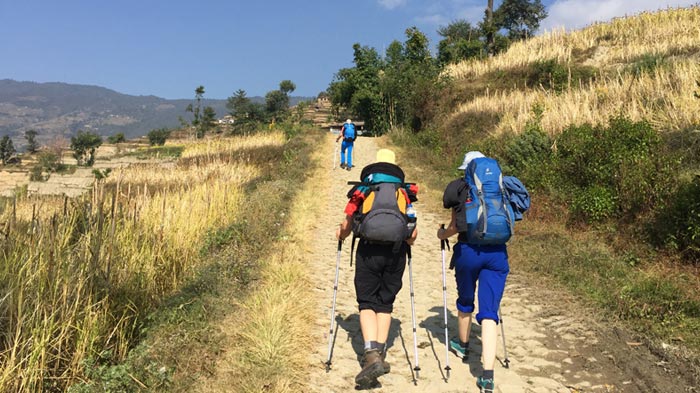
(381, 253)
(348, 133)
(478, 255)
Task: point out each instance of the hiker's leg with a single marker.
(466, 273)
(492, 281)
(464, 325)
(350, 145)
(383, 325)
(343, 147)
(368, 325)
(489, 342)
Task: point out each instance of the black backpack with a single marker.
(384, 216)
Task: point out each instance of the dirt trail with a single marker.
(550, 349)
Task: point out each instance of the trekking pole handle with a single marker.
(444, 243)
(408, 252)
(340, 245)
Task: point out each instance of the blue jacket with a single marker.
(518, 196)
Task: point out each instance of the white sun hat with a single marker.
(469, 157)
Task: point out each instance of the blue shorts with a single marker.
(489, 266)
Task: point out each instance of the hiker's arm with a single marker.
(413, 237)
(344, 229)
(445, 232)
(340, 134)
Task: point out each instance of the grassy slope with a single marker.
(183, 340)
(644, 67)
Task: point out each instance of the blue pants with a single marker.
(489, 266)
(346, 146)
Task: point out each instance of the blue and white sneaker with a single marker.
(458, 349)
(485, 385)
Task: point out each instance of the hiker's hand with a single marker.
(444, 233)
(337, 234)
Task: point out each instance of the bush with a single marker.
(677, 225)
(593, 204)
(620, 158)
(553, 75)
(158, 136)
(36, 173)
(529, 155)
(117, 138)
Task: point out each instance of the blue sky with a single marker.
(168, 48)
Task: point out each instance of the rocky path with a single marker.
(549, 347)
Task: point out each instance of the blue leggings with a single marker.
(346, 146)
(489, 266)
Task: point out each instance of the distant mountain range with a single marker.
(61, 109)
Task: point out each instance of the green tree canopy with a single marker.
(520, 17)
(84, 144)
(7, 149)
(461, 41)
(32, 145)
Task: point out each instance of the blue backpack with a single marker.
(349, 135)
(490, 216)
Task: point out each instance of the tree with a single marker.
(32, 145)
(203, 117)
(461, 41)
(520, 17)
(84, 144)
(277, 101)
(287, 86)
(248, 114)
(7, 149)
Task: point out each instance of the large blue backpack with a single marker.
(349, 134)
(490, 217)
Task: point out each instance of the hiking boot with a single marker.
(372, 368)
(458, 349)
(485, 385)
(348, 168)
(342, 166)
(385, 364)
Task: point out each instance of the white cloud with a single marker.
(574, 14)
(391, 4)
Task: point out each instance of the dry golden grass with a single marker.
(274, 332)
(74, 284)
(669, 32)
(664, 97)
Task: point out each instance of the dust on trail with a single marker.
(550, 349)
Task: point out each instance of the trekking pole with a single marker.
(413, 312)
(335, 292)
(335, 154)
(445, 244)
(503, 334)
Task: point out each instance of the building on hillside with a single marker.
(228, 119)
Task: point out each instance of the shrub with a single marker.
(158, 136)
(36, 173)
(117, 138)
(528, 155)
(677, 225)
(620, 158)
(553, 75)
(593, 204)
(647, 64)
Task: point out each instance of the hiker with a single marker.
(485, 263)
(379, 265)
(349, 134)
